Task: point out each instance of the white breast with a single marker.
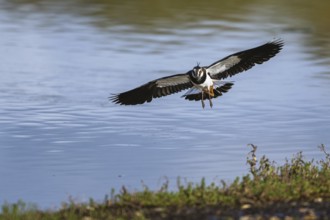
(206, 84)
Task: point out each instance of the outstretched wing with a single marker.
(153, 89)
(217, 92)
(244, 60)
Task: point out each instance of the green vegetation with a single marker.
(297, 189)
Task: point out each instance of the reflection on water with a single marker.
(59, 135)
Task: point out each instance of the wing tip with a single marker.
(279, 42)
(123, 99)
(115, 99)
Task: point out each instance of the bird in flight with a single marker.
(203, 82)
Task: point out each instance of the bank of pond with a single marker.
(297, 189)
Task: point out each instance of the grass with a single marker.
(296, 189)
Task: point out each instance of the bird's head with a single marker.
(198, 72)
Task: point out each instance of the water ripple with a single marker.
(60, 136)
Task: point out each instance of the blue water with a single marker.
(61, 138)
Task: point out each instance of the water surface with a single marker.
(61, 138)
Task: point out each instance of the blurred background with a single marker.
(60, 137)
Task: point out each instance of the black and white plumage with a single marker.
(204, 82)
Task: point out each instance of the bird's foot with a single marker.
(211, 104)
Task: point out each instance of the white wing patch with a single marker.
(219, 83)
(172, 81)
(223, 65)
(191, 91)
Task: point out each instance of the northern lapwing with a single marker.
(203, 82)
